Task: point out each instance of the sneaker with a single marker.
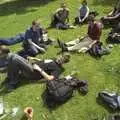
(62, 45)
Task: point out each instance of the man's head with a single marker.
(84, 2)
(4, 50)
(63, 59)
(63, 5)
(91, 18)
(35, 25)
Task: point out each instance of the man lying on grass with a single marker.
(49, 69)
(84, 44)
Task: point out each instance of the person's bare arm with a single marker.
(33, 59)
(43, 73)
(114, 17)
(41, 49)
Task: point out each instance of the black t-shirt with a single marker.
(50, 67)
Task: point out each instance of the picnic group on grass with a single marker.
(35, 40)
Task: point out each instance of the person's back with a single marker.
(95, 30)
(83, 10)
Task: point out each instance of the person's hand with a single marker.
(90, 46)
(115, 34)
(28, 112)
(29, 58)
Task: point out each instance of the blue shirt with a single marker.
(33, 35)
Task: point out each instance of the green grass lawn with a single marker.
(16, 16)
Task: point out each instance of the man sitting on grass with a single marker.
(42, 33)
(82, 13)
(113, 17)
(34, 42)
(60, 18)
(84, 44)
(18, 66)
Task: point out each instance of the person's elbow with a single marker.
(29, 41)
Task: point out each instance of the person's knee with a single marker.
(33, 52)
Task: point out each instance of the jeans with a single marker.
(17, 66)
(12, 40)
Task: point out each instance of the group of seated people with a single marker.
(35, 40)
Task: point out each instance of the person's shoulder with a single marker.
(28, 29)
(87, 7)
(67, 9)
(98, 24)
(59, 9)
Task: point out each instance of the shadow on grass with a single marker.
(105, 2)
(23, 82)
(4, 90)
(21, 6)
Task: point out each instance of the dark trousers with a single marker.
(12, 40)
(59, 24)
(19, 66)
(31, 50)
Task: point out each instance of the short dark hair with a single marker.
(4, 49)
(84, 2)
(91, 17)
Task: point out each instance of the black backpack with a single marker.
(59, 91)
